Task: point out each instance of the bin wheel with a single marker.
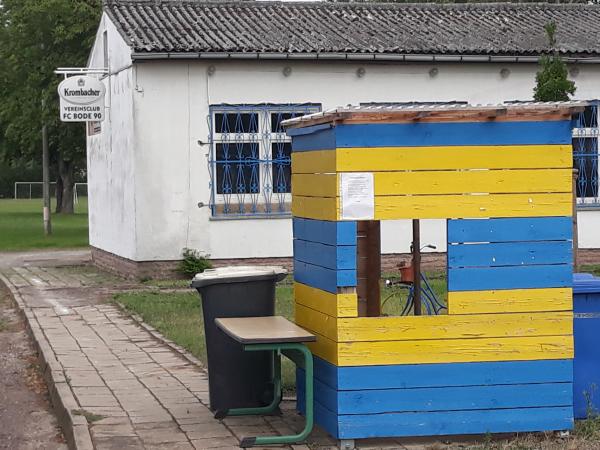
(220, 414)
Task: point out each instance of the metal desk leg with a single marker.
(260, 409)
(307, 362)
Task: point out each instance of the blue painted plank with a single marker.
(455, 398)
(447, 422)
(326, 419)
(437, 134)
(510, 254)
(329, 256)
(320, 139)
(324, 231)
(510, 230)
(300, 391)
(446, 374)
(322, 278)
(512, 277)
(322, 416)
(378, 401)
(323, 394)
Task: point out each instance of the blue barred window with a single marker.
(250, 158)
(585, 155)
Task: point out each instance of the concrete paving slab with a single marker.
(130, 387)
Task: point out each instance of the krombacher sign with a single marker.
(81, 99)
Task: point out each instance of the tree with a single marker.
(36, 37)
(551, 82)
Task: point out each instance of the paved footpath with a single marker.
(115, 385)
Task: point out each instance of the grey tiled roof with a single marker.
(188, 26)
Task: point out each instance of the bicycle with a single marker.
(428, 297)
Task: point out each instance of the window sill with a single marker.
(250, 216)
(588, 206)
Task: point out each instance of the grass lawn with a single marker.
(590, 268)
(178, 315)
(21, 226)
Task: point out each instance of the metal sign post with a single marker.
(46, 178)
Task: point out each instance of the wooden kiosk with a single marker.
(500, 360)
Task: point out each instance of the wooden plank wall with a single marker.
(480, 169)
(501, 359)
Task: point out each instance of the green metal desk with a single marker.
(281, 337)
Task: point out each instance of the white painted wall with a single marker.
(170, 172)
(588, 229)
(178, 93)
(110, 154)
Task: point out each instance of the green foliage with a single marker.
(36, 37)
(193, 262)
(89, 416)
(17, 171)
(551, 82)
(591, 268)
(394, 298)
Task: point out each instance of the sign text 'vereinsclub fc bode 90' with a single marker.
(81, 99)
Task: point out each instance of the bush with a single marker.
(193, 262)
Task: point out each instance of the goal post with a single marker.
(33, 189)
(29, 189)
(80, 189)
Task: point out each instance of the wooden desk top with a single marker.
(264, 330)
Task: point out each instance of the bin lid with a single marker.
(585, 283)
(238, 274)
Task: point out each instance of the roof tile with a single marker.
(372, 28)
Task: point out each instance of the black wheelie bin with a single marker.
(237, 379)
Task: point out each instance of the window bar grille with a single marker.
(585, 156)
(249, 158)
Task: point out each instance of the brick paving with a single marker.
(135, 391)
(122, 387)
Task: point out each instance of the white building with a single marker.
(183, 73)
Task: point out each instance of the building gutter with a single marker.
(142, 56)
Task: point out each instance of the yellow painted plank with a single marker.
(381, 159)
(315, 185)
(444, 206)
(443, 182)
(452, 327)
(316, 321)
(452, 350)
(510, 300)
(323, 348)
(472, 206)
(371, 329)
(321, 208)
(334, 305)
(317, 161)
(442, 351)
(469, 181)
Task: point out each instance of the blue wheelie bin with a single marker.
(586, 330)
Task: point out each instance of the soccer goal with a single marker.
(34, 189)
(31, 189)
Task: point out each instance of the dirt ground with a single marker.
(26, 418)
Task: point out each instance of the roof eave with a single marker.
(142, 56)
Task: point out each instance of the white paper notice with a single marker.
(358, 196)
